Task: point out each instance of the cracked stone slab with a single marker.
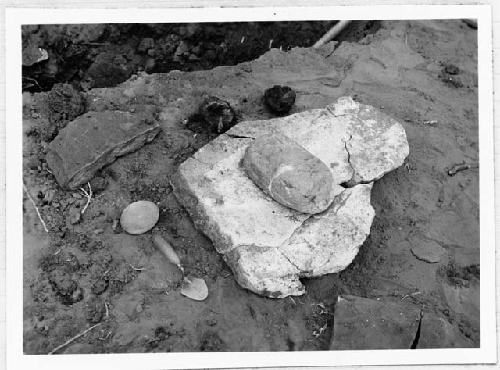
(94, 140)
(269, 246)
(364, 323)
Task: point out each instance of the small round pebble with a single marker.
(139, 217)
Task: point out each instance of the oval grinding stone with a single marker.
(290, 174)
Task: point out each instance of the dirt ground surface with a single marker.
(87, 271)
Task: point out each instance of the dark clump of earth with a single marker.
(217, 114)
(279, 99)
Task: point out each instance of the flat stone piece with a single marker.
(288, 173)
(364, 323)
(428, 251)
(269, 246)
(94, 140)
(436, 332)
(328, 242)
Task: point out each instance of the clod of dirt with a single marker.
(74, 215)
(451, 69)
(211, 342)
(100, 286)
(459, 275)
(98, 184)
(217, 114)
(449, 76)
(64, 103)
(194, 288)
(428, 251)
(108, 69)
(65, 287)
(139, 217)
(279, 99)
(94, 310)
(289, 173)
(32, 54)
(145, 44)
(161, 334)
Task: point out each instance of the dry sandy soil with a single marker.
(89, 271)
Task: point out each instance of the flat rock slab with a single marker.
(436, 332)
(428, 251)
(94, 140)
(364, 323)
(269, 246)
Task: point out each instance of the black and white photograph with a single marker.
(273, 185)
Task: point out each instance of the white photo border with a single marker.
(15, 17)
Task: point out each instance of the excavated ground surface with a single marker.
(87, 271)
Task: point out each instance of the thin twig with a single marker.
(35, 81)
(36, 208)
(107, 308)
(73, 339)
(88, 195)
(136, 268)
(461, 167)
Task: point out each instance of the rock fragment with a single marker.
(436, 332)
(364, 323)
(94, 140)
(279, 99)
(139, 217)
(428, 251)
(288, 173)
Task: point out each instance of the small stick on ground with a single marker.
(69, 341)
(88, 195)
(107, 308)
(36, 208)
(461, 167)
(136, 268)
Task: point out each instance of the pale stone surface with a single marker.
(267, 245)
(139, 217)
(288, 173)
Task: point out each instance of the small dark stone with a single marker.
(451, 69)
(279, 99)
(98, 184)
(100, 286)
(64, 104)
(145, 44)
(218, 114)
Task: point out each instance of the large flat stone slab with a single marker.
(364, 323)
(269, 246)
(94, 140)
